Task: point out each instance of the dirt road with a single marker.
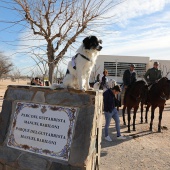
(142, 150)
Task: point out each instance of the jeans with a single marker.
(114, 114)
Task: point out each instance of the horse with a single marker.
(133, 96)
(157, 96)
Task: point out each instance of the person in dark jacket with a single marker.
(110, 111)
(153, 74)
(129, 76)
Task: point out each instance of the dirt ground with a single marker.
(142, 150)
(5, 83)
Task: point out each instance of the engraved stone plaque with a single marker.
(43, 129)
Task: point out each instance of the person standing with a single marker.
(98, 78)
(104, 82)
(129, 77)
(110, 111)
(153, 74)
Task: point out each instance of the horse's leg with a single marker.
(160, 117)
(129, 117)
(134, 117)
(141, 110)
(123, 114)
(152, 116)
(146, 114)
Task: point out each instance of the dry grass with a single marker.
(4, 84)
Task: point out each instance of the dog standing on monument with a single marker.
(79, 69)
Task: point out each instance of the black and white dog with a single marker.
(79, 69)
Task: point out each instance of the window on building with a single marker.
(121, 67)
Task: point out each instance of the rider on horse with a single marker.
(154, 74)
(129, 77)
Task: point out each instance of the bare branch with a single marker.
(59, 23)
(5, 65)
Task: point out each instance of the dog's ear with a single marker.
(86, 40)
(86, 43)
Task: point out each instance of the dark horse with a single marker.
(157, 96)
(133, 96)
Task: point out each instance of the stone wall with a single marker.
(85, 147)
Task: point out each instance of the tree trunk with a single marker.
(51, 72)
(51, 63)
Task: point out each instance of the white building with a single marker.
(116, 65)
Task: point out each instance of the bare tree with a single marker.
(16, 74)
(164, 70)
(41, 63)
(5, 65)
(59, 23)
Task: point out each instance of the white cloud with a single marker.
(152, 47)
(136, 8)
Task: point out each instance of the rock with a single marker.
(5, 119)
(32, 162)
(9, 155)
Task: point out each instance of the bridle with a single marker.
(164, 94)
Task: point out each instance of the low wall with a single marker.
(86, 139)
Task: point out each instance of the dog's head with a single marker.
(92, 43)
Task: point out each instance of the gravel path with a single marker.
(142, 150)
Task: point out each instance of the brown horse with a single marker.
(157, 96)
(133, 96)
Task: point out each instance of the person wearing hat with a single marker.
(110, 111)
(129, 76)
(153, 74)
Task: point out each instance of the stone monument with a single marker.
(45, 129)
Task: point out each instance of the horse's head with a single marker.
(168, 90)
(164, 87)
(163, 81)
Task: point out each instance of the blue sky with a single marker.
(139, 28)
